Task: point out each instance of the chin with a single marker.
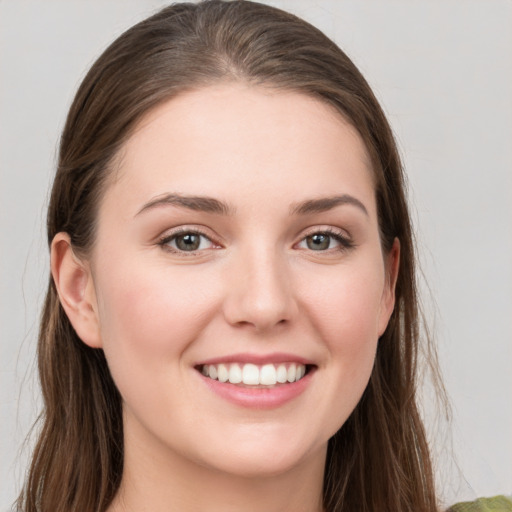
(263, 457)
(260, 466)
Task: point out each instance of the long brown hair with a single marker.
(379, 459)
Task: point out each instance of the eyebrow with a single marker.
(196, 203)
(324, 204)
(212, 205)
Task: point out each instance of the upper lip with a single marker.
(257, 359)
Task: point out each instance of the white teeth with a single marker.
(222, 373)
(254, 375)
(212, 371)
(282, 374)
(235, 374)
(250, 375)
(268, 375)
(292, 372)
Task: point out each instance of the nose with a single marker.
(260, 293)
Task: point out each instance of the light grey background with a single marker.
(443, 71)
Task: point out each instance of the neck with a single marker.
(166, 482)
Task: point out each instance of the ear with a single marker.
(392, 264)
(75, 287)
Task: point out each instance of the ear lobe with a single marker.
(388, 296)
(75, 287)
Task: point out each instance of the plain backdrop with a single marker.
(443, 72)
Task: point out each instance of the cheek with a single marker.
(150, 314)
(345, 307)
(345, 311)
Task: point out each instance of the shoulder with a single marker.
(496, 504)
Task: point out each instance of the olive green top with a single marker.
(496, 504)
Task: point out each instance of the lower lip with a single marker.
(258, 398)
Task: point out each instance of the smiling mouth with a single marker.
(255, 375)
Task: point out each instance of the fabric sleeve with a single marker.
(496, 504)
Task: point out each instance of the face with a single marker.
(239, 282)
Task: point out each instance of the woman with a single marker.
(232, 322)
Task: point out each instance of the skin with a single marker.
(254, 286)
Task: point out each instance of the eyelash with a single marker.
(167, 239)
(345, 242)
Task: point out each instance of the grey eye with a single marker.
(185, 241)
(188, 242)
(318, 242)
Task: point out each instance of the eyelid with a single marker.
(340, 235)
(330, 230)
(169, 235)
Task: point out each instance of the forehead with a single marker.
(253, 138)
